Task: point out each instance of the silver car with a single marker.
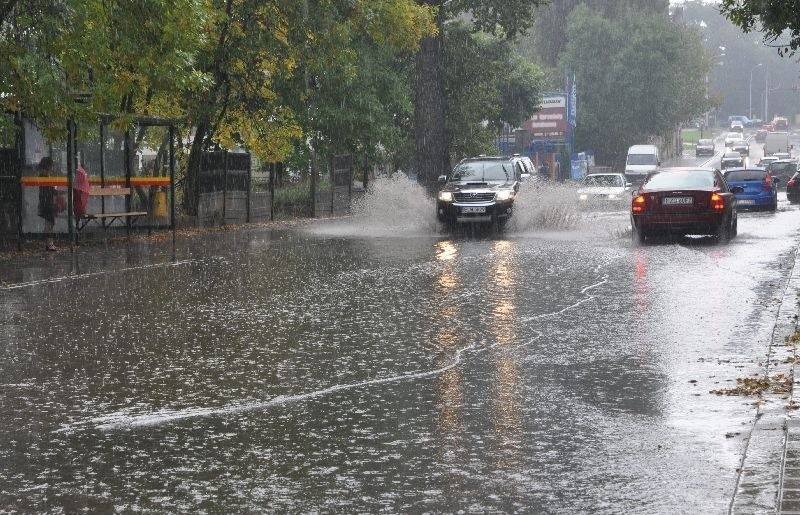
(604, 190)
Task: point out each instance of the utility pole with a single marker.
(750, 109)
(766, 100)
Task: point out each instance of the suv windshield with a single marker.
(482, 171)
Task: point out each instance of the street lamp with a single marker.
(750, 109)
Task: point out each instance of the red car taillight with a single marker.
(717, 202)
(637, 205)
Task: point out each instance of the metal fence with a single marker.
(9, 194)
(336, 188)
(225, 184)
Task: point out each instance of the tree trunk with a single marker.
(430, 133)
(191, 192)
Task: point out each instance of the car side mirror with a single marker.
(442, 179)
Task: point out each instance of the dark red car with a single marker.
(684, 201)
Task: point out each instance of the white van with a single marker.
(776, 142)
(642, 159)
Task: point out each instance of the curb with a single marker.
(788, 499)
(769, 475)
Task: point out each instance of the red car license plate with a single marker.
(677, 201)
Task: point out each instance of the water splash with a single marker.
(545, 207)
(394, 206)
(397, 203)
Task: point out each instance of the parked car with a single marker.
(782, 169)
(705, 147)
(731, 160)
(684, 201)
(759, 188)
(480, 189)
(793, 188)
(604, 190)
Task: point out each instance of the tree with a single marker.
(654, 80)
(548, 38)
(774, 19)
(506, 18)
(353, 78)
(122, 57)
(243, 72)
(268, 60)
(487, 84)
(736, 55)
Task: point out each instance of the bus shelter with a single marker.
(130, 171)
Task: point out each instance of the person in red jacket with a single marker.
(80, 192)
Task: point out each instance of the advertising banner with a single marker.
(550, 121)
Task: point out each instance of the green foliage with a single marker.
(293, 200)
(690, 137)
(774, 19)
(652, 81)
(737, 55)
(121, 56)
(499, 17)
(487, 84)
(548, 39)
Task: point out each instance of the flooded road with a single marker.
(375, 364)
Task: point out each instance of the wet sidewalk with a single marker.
(769, 479)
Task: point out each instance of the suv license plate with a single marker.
(473, 209)
(677, 201)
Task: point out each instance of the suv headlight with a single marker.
(504, 195)
(446, 196)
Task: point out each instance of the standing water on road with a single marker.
(347, 367)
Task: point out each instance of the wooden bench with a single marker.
(106, 219)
